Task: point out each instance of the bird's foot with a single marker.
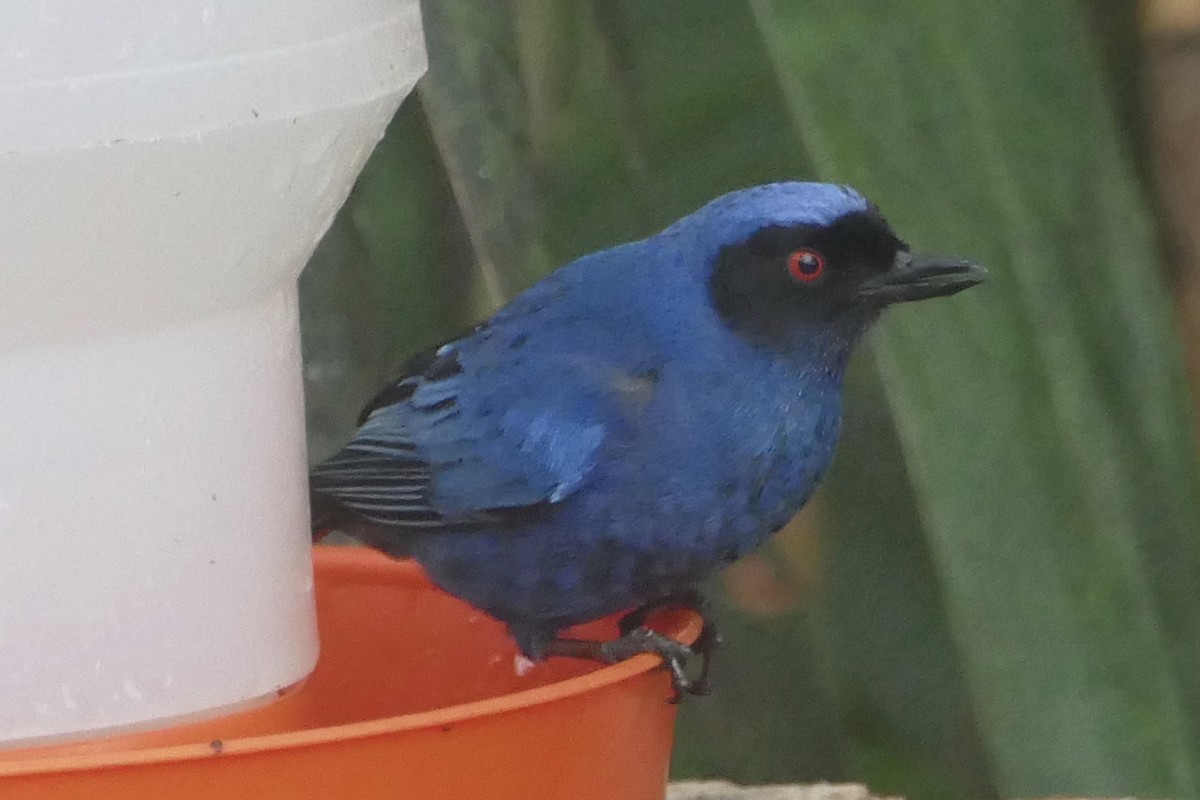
(636, 638)
(705, 645)
(675, 655)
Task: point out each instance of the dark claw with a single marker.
(704, 647)
(636, 638)
(675, 655)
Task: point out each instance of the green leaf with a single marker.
(1044, 416)
(477, 109)
(388, 279)
(903, 692)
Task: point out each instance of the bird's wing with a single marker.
(478, 435)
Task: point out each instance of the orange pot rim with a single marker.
(373, 569)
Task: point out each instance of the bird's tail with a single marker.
(329, 515)
(326, 514)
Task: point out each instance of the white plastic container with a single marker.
(166, 168)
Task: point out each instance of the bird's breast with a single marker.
(719, 466)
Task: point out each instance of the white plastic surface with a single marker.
(166, 168)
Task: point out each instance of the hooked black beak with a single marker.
(914, 277)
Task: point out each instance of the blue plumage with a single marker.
(639, 418)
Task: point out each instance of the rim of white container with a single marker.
(200, 95)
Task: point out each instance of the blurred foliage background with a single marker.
(995, 595)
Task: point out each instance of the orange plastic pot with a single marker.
(415, 695)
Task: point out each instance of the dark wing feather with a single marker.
(378, 487)
(428, 455)
(432, 364)
(378, 475)
(502, 423)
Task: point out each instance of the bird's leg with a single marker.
(636, 638)
(675, 655)
(705, 645)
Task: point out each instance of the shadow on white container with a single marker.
(166, 168)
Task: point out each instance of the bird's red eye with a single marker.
(806, 266)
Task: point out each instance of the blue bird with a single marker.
(633, 422)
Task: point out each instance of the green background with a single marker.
(995, 593)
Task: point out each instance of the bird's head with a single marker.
(787, 259)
